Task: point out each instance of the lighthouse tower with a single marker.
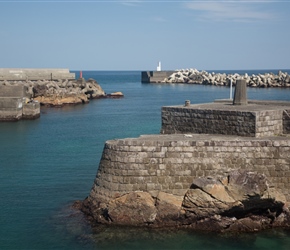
(159, 66)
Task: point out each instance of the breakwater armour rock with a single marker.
(193, 76)
(59, 92)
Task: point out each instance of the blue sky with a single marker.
(135, 35)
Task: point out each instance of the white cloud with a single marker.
(239, 11)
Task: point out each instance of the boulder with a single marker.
(169, 209)
(57, 100)
(39, 90)
(239, 201)
(115, 94)
(240, 193)
(135, 209)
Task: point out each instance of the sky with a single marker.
(136, 35)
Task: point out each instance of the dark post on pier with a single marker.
(240, 96)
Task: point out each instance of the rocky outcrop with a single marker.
(60, 92)
(238, 201)
(193, 76)
(115, 95)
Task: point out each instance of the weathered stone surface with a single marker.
(244, 193)
(169, 209)
(61, 92)
(240, 201)
(199, 204)
(15, 104)
(55, 100)
(254, 119)
(135, 208)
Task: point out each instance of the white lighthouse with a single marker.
(159, 66)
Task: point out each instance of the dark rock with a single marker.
(136, 208)
(239, 201)
(39, 90)
(169, 209)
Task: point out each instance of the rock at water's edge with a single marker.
(239, 201)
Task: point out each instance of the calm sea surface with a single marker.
(48, 163)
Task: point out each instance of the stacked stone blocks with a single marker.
(253, 123)
(286, 121)
(196, 141)
(171, 164)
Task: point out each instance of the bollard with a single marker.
(187, 103)
(240, 96)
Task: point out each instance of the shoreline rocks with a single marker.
(193, 76)
(56, 93)
(238, 201)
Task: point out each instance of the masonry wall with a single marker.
(286, 121)
(170, 162)
(187, 120)
(228, 122)
(269, 123)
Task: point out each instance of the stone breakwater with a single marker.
(207, 182)
(193, 76)
(239, 181)
(59, 92)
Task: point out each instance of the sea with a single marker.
(48, 163)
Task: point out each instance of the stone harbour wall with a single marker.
(187, 120)
(154, 76)
(20, 74)
(286, 121)
(217, 118)
(169, 163)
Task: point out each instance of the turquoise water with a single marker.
(48, 163)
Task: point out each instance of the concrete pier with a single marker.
(14, 74)
(154, 76)
(14, 105)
